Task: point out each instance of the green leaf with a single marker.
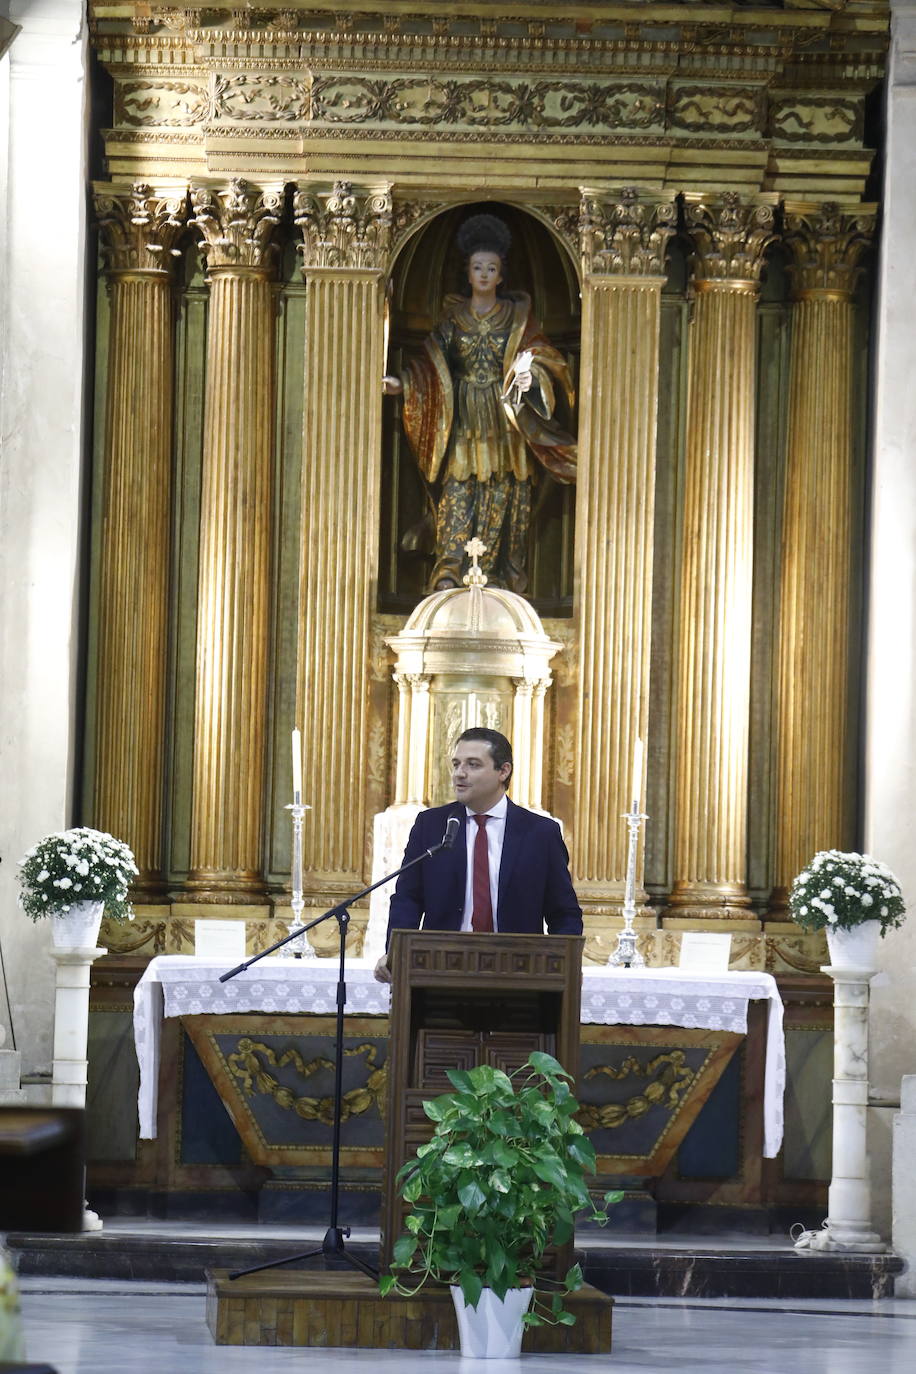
(499, 1180)
(566, 1319)
(573, 1279)
(583, 1152)
(461, 1156)
(459, 1078)
(436, 1108)
(611, 1198)
(405, 1248)
(472, 1195)
(551, 1171)
(386, 1283)
(471, 1286)
(547, 1065)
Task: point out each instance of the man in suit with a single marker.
(508, 869)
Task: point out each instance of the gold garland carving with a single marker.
(254, 1078)
(674, 1078)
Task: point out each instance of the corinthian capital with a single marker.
(236, 225)
(729, 238)
(625, 235)
(344, 227)
(827, 246)
(140, 228)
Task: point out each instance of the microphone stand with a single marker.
(333, 1246)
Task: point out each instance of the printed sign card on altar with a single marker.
(704, 951)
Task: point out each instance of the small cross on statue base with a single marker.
(475, 548)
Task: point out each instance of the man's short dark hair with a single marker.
(500, 748)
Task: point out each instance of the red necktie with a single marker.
(482, 913)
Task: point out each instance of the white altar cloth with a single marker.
(182, 985)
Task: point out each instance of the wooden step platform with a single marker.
(311, 1307)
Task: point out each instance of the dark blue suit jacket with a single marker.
(535, 889)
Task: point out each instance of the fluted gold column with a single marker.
(345, 246)
(233, 607)
(716, 572)
(623, 242)
(813, 806)
(138, 232)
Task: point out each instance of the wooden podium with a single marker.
(459, 1000)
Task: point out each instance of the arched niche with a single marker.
(428, 267)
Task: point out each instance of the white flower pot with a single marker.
(855, 949)
(492, 1330)
(77, 928)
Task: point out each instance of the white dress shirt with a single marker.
(496, 830)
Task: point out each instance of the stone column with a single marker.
(716, 567)
(813, 804)
(346, 235)
(623, 238)
(236, 227)
(139, 231)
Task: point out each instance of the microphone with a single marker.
(452, 826)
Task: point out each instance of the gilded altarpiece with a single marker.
(276, 202)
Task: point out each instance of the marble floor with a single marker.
(85, 1326)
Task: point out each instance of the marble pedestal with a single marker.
(71, 1035)
(848, 1228)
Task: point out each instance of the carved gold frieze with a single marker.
(344, 227)
(271, 98)
(716, 109)
(819, 119)
(474, 103)
(155, 102)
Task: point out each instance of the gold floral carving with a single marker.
(565, 754)
(729, 236)
(827, 245)
(344, 227)
(474, 102)
(140, 229)
(667, 1090)
(236, 226)
(626, 236)
(249, 1062)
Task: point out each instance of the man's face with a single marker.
(478, 783)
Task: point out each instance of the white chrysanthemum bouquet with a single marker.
(79, 865)
(840, 891)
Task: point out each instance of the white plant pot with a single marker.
(492, 1330)
(855, 949)
(77, 928)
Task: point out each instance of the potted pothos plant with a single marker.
(501, 1181)
(74, 877)
(853, 898)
